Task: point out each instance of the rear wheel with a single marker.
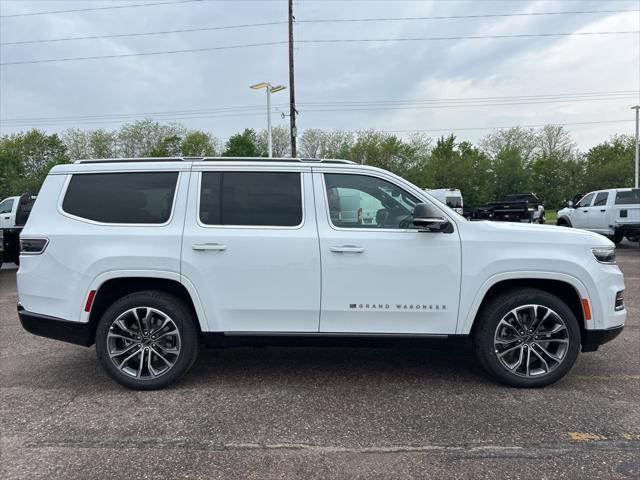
(147, 340)
(616, 237)
(527, 338)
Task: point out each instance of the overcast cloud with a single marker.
(394, 71)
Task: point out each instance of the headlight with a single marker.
(605, 254)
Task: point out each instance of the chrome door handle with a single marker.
(208, 246)
(347, 249)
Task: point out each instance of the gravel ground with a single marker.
(332, 412)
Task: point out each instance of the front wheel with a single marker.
(147, 340)
(527, 338)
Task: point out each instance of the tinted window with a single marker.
(586, 201)
(601, 199)
(361, 201)
(5, 207)
(138, 197)
(251, 198)
(628, 197)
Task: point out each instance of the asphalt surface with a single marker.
(339, 412)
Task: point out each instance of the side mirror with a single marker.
(428, 219)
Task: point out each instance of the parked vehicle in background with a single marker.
(14, 212)
(517, 207)
(451, 197)
(149, 258)
(614, 213)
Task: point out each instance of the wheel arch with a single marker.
(109, 290)
(563, 221)
(567, 288)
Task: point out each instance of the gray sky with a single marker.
(412, 73)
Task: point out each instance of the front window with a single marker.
(362, 201)
(6, 206)
(586, 201)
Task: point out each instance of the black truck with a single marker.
(516, 207)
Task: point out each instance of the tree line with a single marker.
(545, 160)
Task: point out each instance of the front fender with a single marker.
(466, 322)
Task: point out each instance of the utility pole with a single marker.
(292, 89)
(637, 169)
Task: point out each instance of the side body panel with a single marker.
(80, 251)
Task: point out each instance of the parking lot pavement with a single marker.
(343, 412)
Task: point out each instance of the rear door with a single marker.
(250, 247)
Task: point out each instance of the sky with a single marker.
(461, 86)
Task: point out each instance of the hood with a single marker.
(527, 233)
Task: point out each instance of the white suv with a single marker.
(150, 258)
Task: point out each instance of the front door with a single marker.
(379, 273)
(250, 247)
(580, 214)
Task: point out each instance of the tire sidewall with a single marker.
(492, 315)
(171, 306)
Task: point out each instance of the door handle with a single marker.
(208, 246)
(347, 249)
(603, 210)
(585, 211)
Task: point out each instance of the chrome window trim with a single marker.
(252, 227)
(107, 224)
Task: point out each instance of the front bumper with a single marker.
(592, 339)
(56, 328)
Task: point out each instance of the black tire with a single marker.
(486, 329)
(616, 238)
(563, 223)
(161, 303)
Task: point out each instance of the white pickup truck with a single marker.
(14, 212)
(614, 213)
(147, 258)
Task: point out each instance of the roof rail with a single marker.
(213, 159)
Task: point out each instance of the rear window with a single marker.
(134, 198)
(251, 199)
(601, 199)
(628, 197)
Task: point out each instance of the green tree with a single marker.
(243, 144)
(280, 141)
(26, 158)
(144, 138)
(198, 144)
(610, 164)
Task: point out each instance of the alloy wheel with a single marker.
(531, 340)
(143, 343)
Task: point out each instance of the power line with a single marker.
(338, 20)
(163, 52)
(538, 125)
(321, 41)
(121, 35)
(251, 111)
(114, 7)
(456, 17)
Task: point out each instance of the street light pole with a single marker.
(637, 169)
(270, 89)
(269, 143)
